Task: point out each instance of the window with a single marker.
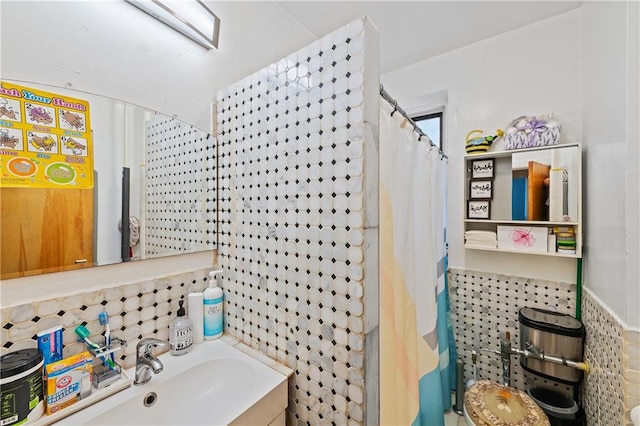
(431, 125)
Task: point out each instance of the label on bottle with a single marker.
(213, 316)
(180, 339)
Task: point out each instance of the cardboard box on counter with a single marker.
(68, 381)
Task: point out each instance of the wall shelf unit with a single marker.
(526, 201)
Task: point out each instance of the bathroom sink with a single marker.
(214, 384)
(185, 399)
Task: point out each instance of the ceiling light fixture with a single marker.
(191, 18)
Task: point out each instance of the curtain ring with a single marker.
(395, 107)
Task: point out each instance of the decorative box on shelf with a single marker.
(523, 238)
(531, 132)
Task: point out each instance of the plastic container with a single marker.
(180, 333)
(195, 308)
(21, 387)
(213, 308)
(103, 375)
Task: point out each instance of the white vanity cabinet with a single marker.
(530, 198)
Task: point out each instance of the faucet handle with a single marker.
(147, 344)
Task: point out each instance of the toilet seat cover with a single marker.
(492, 404)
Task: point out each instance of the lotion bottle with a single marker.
(180, 332)
(213, 298)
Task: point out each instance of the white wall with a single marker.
(611, 154)
(109, 47)
(582, 65)
(528, 71)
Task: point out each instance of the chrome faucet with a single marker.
(146, 362)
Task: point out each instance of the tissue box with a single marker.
(523, 238)
(68, 381)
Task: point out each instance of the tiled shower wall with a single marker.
(483, 305)
(612, 388)
(136, 310)
(181, 188)
(296, 228)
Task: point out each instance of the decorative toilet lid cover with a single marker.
(492, 404)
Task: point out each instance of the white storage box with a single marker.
(523, 238)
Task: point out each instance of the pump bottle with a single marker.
(180, 332)
(213, 315)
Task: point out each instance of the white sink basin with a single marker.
(214, 384)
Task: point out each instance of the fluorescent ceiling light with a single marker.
(192, 18)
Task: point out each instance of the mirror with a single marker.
(171, 168)
(545, 185)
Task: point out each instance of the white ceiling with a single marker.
(411, 31)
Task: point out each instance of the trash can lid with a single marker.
(553, 322)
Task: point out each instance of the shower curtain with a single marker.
(414, 337)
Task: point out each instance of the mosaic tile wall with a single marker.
(181, 189)
(613, 386)
(135, 311)
(483, 305)
(292, 221)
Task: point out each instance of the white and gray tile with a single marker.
(292, 220)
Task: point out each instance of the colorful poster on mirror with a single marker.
(45, 139)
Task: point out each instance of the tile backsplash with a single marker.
(612, 388)
(136, 310)
(483, 305)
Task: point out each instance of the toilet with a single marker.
(487, 403)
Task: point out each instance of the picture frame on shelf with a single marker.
(482, 169)
(481, 189)
(478, 209)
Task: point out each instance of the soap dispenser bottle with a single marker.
(180, 332)
(213, 298)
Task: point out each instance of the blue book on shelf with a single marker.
(519, 199)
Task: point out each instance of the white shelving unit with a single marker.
(500, 211)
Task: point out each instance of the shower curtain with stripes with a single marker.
(414, 338)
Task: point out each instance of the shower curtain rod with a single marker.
(387, 97)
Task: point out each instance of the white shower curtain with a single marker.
(413, 389)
